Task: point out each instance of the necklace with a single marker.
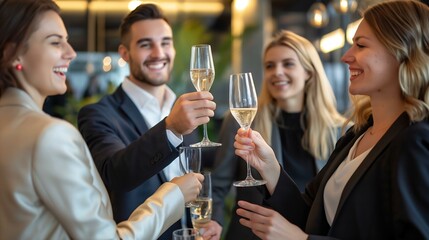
(372, 131)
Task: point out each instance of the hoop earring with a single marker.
(18, 67)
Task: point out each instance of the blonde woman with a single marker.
(297, 116)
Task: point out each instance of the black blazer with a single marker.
(129, 156)
(386, 198)
(228, 168)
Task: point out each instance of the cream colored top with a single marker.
(335, 185)
(51, 189)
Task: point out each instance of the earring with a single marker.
(18, 67)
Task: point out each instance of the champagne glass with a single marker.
(185, 234)
(201, 208)
(202, 76)
(243, 104)
(190, 161)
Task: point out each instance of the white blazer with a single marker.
(50, 187)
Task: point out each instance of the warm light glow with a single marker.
(351, 30)
(168, 7)
(72, 5)
(332, 41)
(107, 60)
(107, 68)
(344, 6)
(317, 18)
(240, 5)
(121, 62)
(133, 4)
(317, 15)
(200, 7)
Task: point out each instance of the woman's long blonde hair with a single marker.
(321, 117)
(403, 28)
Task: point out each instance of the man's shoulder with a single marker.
(106, 106)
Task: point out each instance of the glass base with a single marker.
(206, 143)
(249, 183)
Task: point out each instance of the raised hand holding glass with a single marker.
(243, 104)
(202, 75)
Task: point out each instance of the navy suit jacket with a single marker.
(386, 198)
(128, 155)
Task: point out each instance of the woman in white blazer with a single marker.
(50, 188)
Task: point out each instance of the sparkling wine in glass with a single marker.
(190, 161)
(201, 208)
(202, 76)
(243, 104)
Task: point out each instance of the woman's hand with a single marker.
(268, 224)
(190, 184)
(250, 146)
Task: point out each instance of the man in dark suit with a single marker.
(133, 134)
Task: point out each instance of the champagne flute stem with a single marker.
(205, 136)
(249, 169)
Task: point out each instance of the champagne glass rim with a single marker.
(201, 45)
(241, 73)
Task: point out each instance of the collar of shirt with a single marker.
(147, 104)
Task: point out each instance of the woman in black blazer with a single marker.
(375, 183)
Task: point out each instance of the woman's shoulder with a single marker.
(412, 140)
(40, 127)
(416, 131)
(41, 122)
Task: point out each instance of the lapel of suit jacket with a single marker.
(131, 110)
(400, 123)
(316, 221)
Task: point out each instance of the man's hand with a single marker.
(190, 111)
(211, 230)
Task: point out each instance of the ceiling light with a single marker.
(317, 15)
(344, 6)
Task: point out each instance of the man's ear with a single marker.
(123, 51)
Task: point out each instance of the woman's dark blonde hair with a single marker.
(18, 20)
(321, 118)
(403, 28)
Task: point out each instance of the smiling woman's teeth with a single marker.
(355, 73)
(280, 83)
(60, 69)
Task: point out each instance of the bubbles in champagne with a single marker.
(244, 116)
(202, 79)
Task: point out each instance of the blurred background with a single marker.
(236, 29)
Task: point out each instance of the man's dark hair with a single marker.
(142, 12)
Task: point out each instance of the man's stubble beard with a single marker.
(138, 74)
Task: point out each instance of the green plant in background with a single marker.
(190, 32)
